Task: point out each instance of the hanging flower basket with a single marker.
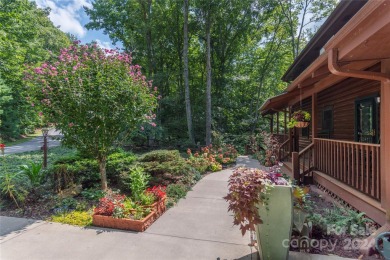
(300, 119)
(302, 124)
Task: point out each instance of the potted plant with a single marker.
(300, 119)
(262, 202)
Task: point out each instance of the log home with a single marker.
(342, 77)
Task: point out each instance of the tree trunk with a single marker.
(185, 75)
(208, 87)
(103, 176)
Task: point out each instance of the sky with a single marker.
(69, 15)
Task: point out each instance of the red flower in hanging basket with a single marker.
(2, 146)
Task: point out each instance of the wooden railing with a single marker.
(303, 163)
(355, 164)
(284, 151)
(280, 137)
(306, 159)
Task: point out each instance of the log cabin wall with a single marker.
(341, 100)
(304, 134)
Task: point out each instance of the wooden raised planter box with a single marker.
(158, 208)
(124, 223)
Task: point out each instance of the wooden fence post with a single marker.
(295, 167)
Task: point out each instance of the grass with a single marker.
(24, 139)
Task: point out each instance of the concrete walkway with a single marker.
(199, 227)
(35, 143)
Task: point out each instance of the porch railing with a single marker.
(284, 151)
(280, 137)
(303, 163)
(355, 164)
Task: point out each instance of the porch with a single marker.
(343, 80)
(347, 170)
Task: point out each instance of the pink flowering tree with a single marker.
(96, 97)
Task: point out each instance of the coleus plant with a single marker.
(159, 192)
(299, 116)
(247, 187)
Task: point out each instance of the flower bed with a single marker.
(124, 223)
(121, 212)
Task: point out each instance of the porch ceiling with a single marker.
(361, 43)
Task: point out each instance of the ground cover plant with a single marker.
(71, 182)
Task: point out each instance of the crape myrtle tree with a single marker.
(95, 96)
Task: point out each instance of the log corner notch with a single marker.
(336, 69)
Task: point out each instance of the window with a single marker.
(305, 132)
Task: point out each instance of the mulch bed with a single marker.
(344, 245)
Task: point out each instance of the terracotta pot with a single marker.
(124, 223)
(301, 124)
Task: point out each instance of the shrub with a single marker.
(70, 169)
(77, 218)
(161, 156)
(167, 167)
(177, 191)
(199, 163)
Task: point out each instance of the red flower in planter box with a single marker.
(157, 191)
(108, 204)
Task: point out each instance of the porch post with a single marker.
(314, 124)
(385, 140)
(272, 124)
(285, 122)
(277, 122)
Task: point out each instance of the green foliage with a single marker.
(166, 167)
(299, 116)
(26, 36)
(76, 218)
(138, 183)
(12, 162)
(84, 98)
(161, 156)
(34, 173)
(200, 164)
(342, 219)
(92, 194)
(12, 187)
(86, 170)
(177, 191)
(5, 96)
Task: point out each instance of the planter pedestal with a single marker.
(273, 236)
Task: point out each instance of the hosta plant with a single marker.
(247, 189)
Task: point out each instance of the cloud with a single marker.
(103, 45)
(66, 14)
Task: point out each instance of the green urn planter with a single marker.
(274, 234)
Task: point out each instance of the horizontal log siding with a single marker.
(342, 98)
